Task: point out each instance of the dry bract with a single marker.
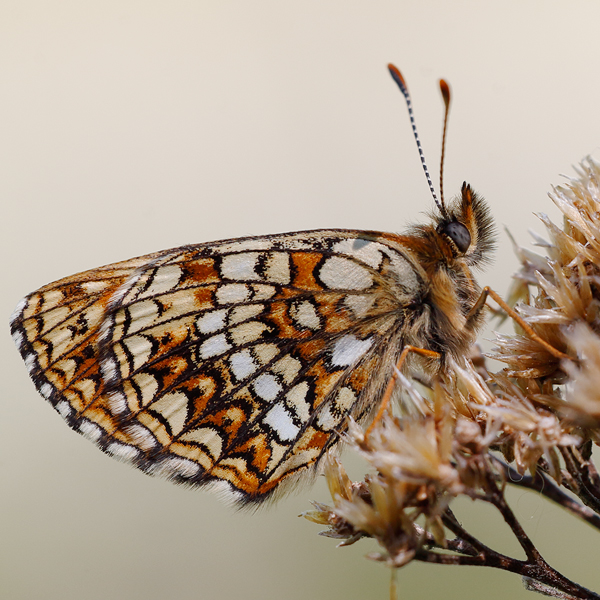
(472, 433)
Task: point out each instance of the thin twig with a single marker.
(511, 520)
(539, 575)
(542, 484)
(456, 544)
(585, 476)
(451, 522)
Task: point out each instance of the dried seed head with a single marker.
(537, 412)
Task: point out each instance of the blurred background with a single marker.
(133, 126)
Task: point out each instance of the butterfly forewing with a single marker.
(234, 363)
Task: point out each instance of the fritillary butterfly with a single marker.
(236, 364)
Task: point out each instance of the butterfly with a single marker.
(236, 364)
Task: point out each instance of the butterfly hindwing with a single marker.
(234, 363)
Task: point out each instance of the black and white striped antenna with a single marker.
(445, 90)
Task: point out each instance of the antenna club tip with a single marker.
(445, 90)
(395, 72)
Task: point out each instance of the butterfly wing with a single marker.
(235, 363)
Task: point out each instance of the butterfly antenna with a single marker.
(397, 76)
(445, 89)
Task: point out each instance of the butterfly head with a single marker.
(465, 230)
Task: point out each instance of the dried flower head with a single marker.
(472, 433)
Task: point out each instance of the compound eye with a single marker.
(459, 234)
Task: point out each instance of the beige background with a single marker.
(128, 127)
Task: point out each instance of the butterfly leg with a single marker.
(478, 307)
(385, 401)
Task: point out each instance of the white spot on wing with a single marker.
(297, 459)
(171, 467)
(30, 362)
(327, 420)
(17, 337)
(89, 430)
(404, 271)
(267, 387)
(251, 244)
(332, 415)
(93, 287)
(122, 451)
(281, 421)
(117, 403)
(243, 313)
(64, 409)
(345, 399)
(212, 321)
(68, 366)
(225, 492)
(141, 315)
(348, 350)
(263, 292)
(277, 268)
(46, 390)
(265, 352)
(296, 399)
(62, 342)
(232, 293)
(364, 250)
(140, 348)
(164, 280)
(18, 310)
(305, 314)
(288, 367)
(147, 385)
(108, 369)
(141, 436)
(242, 364)
(215, 345)
(277, 454)
(240, 266)
(342, 273)
(247, 332)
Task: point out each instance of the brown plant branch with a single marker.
(456, 544)
(542, 412)
(545, 486)
(537, 573)
(585, 481)
(452, 523)
(498, 500)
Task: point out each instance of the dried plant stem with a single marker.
(497, 499)
(541, 572)
(542, 484)
(585, 482)
(540, 575)
(477, 432)
(536, 567)
(458, 544)
(452, 523)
